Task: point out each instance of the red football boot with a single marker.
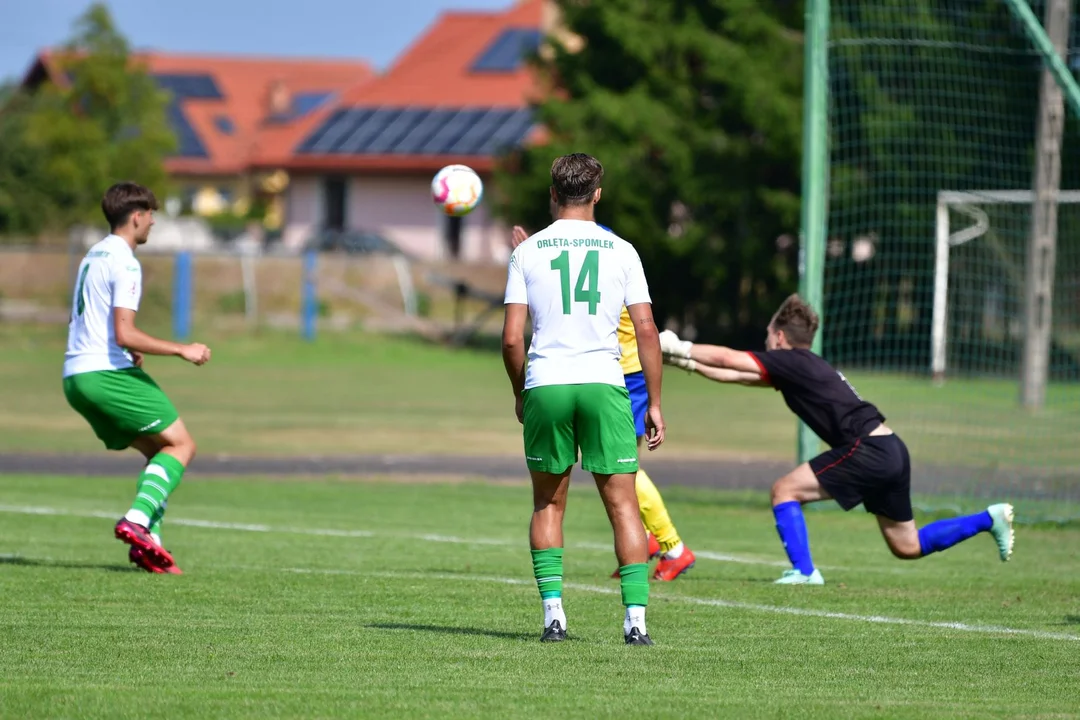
(139, 538)
(670, 568)
(138, 557)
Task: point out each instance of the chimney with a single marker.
(279, 101)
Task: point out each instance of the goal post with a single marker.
(950, 242)
(947, 236)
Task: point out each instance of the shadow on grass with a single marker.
(447, 630)
(1071, 620)
(36, 562)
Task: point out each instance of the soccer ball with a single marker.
(456, 190)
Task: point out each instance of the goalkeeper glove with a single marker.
(687, 364)
(670, 344)
(676, 351)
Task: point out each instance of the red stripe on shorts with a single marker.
(849, 454)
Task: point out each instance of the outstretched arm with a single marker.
(715, 362)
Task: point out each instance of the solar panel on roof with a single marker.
(188, 144)
(506, 52)
(336, 127)
(457, 124)
(413, 142)
(478, 132)
(224, 124)
(304, 103)
(512, 131)
(189, 86)
(418, 131)
(366, 131)
(396, 130)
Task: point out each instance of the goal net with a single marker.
(933, 145)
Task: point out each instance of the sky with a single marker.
(373, 30)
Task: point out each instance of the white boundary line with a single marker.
(731, 605)
(710, 602)
(425, 537)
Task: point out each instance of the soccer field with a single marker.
(331, 598)
(272, 394)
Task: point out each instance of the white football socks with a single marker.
(635, 618)
(553, 611)
(138, 517)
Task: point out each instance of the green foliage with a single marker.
(25, 201)
(69, 141)
(694, 107)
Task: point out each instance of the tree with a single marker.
(694, 107)
(105, 122)
(24, 201)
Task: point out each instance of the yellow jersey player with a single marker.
(664, 540)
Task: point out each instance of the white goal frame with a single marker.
(966, 203)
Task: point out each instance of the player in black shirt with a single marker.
(866, 463)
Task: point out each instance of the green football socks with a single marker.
(159, 479)
(547, 568)
(634, 583)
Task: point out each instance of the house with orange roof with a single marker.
(335, 146)
(460, 94)
(220, 108)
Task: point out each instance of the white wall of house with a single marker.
(303, 210)
(400, 209)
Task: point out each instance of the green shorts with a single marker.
(595, 417)
(120, 405)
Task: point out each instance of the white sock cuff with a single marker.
(138, 517)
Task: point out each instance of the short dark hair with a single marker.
(124, 198)
(575, 178)
(798, 321)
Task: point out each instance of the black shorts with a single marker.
(874, 471)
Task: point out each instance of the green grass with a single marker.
(434, 613)
(355, 393)
(351, 394)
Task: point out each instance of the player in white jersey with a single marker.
(574, 278)
(103, 376)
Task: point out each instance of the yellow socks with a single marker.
(653, 513)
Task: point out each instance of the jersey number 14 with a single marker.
(588, 277)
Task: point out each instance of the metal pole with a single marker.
(181, 310)
(309, 300)
(939, 329)
(815, 178)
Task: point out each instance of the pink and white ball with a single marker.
(456, 190)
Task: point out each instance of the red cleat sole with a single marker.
(138, 538)
(140, 559)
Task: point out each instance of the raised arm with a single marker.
(715, 362)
